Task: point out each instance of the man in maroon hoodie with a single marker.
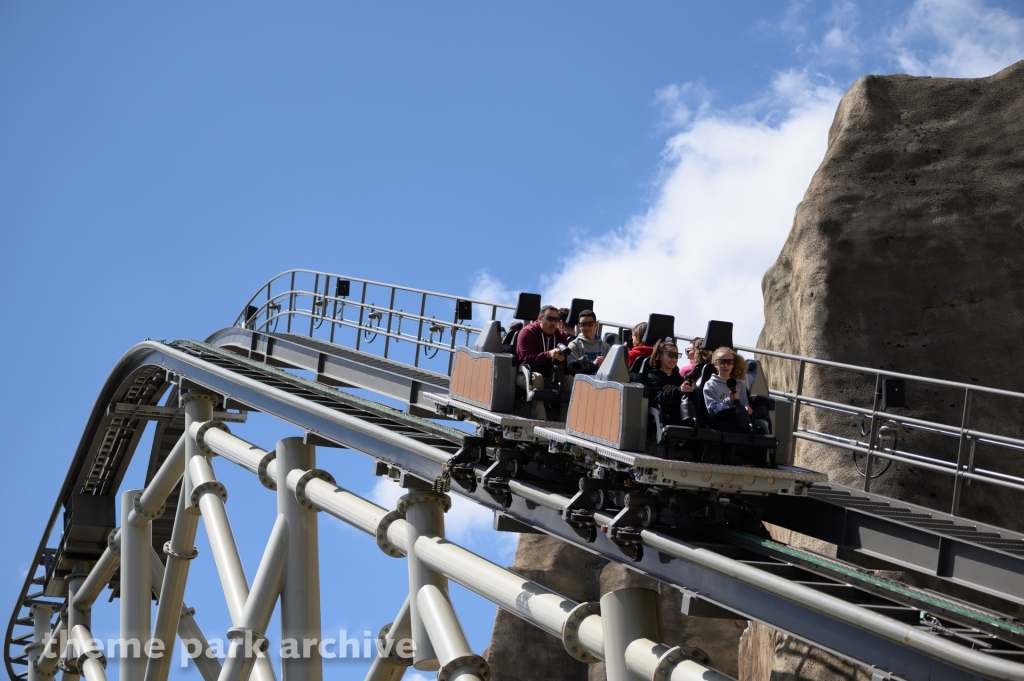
(537, 345)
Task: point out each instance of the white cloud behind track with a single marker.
(730, 179)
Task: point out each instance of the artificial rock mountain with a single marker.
(906, 253)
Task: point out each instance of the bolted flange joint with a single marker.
(261, 471)
(181, 556)
(112, 543)
(91, 655)
(201, 434)
(382, 533)
(300, 487)
(48, 674)
(477, 663)
(242, 633)
(209, 486)
(424, 497)
(195, 395)
(148, 515)
(68, 664)
(571, 628)
(392, 654)
(673, 656)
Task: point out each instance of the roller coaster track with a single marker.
(898, 630)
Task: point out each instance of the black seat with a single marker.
(639, 367)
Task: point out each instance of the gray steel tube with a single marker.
(424, 516)
(300, 593)
(91, 663)
(644, 655)
(172, 590)
(198, 409)
(628, 615)
(54, 648)
(442, 624)
(225, 552)
(162, 484)
(266, 587)
(41, 616)
(136, 591)
(188, 630)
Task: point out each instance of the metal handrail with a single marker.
(288, 303)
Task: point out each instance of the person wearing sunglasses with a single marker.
(587, 350)
(668, 388)
(695, 354)
(722, 399)
(537, 346)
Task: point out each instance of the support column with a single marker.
(211, 495)
(458, 663)
(91, 662)
(136, 591)
(424, 516)
(250, 635)
(79, 571)
(300, 594)
(389, 665)
(627, 615)
(41, 616)
(198, 409)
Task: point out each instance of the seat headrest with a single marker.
(578, 305)
(659, 326)
(719, 334)
(528, 307)
(611, 338)
(757, 381)
(489, 339)
(614, 367)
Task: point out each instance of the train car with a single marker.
(608, 444)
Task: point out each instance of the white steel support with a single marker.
(250, 635)
(390, 664)
(198, 409)
(91, 663)
(79, 571)
(197, 647)
(300, 593)
(627, 615)
(424, 516)
(522, 597)
(136, 591)
(210, 495)
(180, 551)
(450, 645)
(53, 648)
(41, 616)
(649, 660)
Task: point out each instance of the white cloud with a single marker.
(488, 288)
(959, 38)
(730, 184)
(467, 524)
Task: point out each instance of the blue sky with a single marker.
(158, 163)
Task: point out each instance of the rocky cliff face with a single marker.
(907, 253)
